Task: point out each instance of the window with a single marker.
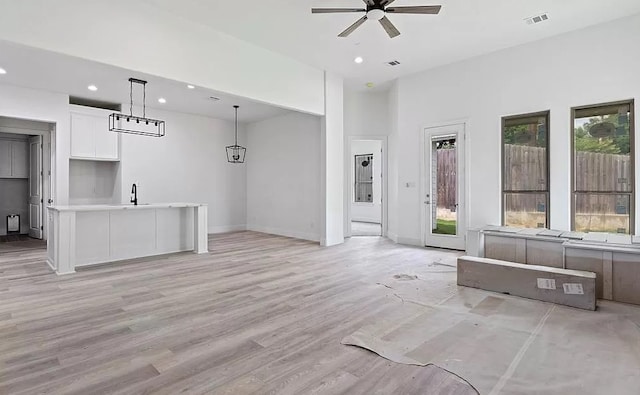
(525, 170)
(364, 178)
(603, 168)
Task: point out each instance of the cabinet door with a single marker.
(5, 158)
(83, 142)
(106, 141)
(19, 159)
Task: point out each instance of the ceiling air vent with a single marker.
(393, 63)
(537, 19)
(213, 98)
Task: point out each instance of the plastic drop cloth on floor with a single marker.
(502, 344)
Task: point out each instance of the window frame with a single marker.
(632, 171)
(547, 191)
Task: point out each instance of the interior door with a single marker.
(35, 187)
(444, 213)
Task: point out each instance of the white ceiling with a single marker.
(39, 69)
(464, 28)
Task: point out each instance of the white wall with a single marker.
(93, 182)
(366, 113)
(332, 161)
(188, 164)
(594, 65)
(363, 211)
(137, 36)
(283, 176)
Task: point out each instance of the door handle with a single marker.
(49, 201)
(427, 202)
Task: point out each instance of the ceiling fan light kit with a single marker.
(132, 124)
(377, 10)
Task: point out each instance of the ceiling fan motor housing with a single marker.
(375, 13)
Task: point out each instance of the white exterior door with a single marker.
(35, 187)
(443, 192)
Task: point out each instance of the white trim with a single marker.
(284, 232)
(50, 264)
(225, 228)
(384, 140)
(410, 241)
(392, 236)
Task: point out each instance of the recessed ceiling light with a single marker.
(358, 60)
(191, 87)
(92, 88)
(162, 100)
(3, 71)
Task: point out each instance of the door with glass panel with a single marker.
(444, 217)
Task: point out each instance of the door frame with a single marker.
(349, 180)
(48, 162)
(425, 180)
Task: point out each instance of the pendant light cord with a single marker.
(236, 107)
(131, 97)
(144, 100)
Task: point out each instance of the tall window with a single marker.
(603, 168)
(525, 170)
(364, 178)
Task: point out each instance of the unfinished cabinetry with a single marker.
(588, 260)
(617, 268)
(524, 248)
(625, 277)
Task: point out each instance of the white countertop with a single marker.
(112, 207)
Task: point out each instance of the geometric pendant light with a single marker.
(236, 153)
(129, 123)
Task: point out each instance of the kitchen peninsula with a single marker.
(93, 234)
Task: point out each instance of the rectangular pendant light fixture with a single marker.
(132, 124)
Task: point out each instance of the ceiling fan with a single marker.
(377, 10)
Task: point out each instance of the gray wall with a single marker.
(14, 193)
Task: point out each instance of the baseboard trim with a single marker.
(409, 241)
(392, 236)
(366, 220)
(51, 265)
(226, 228)
(284, 232)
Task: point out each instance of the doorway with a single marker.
(25, 180)
(444, 197)
(366, 187)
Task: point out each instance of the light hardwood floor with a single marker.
(259, 314)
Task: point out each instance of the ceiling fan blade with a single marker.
(369, 2)
(389, 27)
(353, 27)
(385, 3)
(334, 10)
(427, 9)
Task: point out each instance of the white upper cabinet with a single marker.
(14, 159)
(90, 135)
(5, 158)
(20, 159)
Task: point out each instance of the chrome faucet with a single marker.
(134, 191)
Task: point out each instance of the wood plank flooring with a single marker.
(259, 314)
